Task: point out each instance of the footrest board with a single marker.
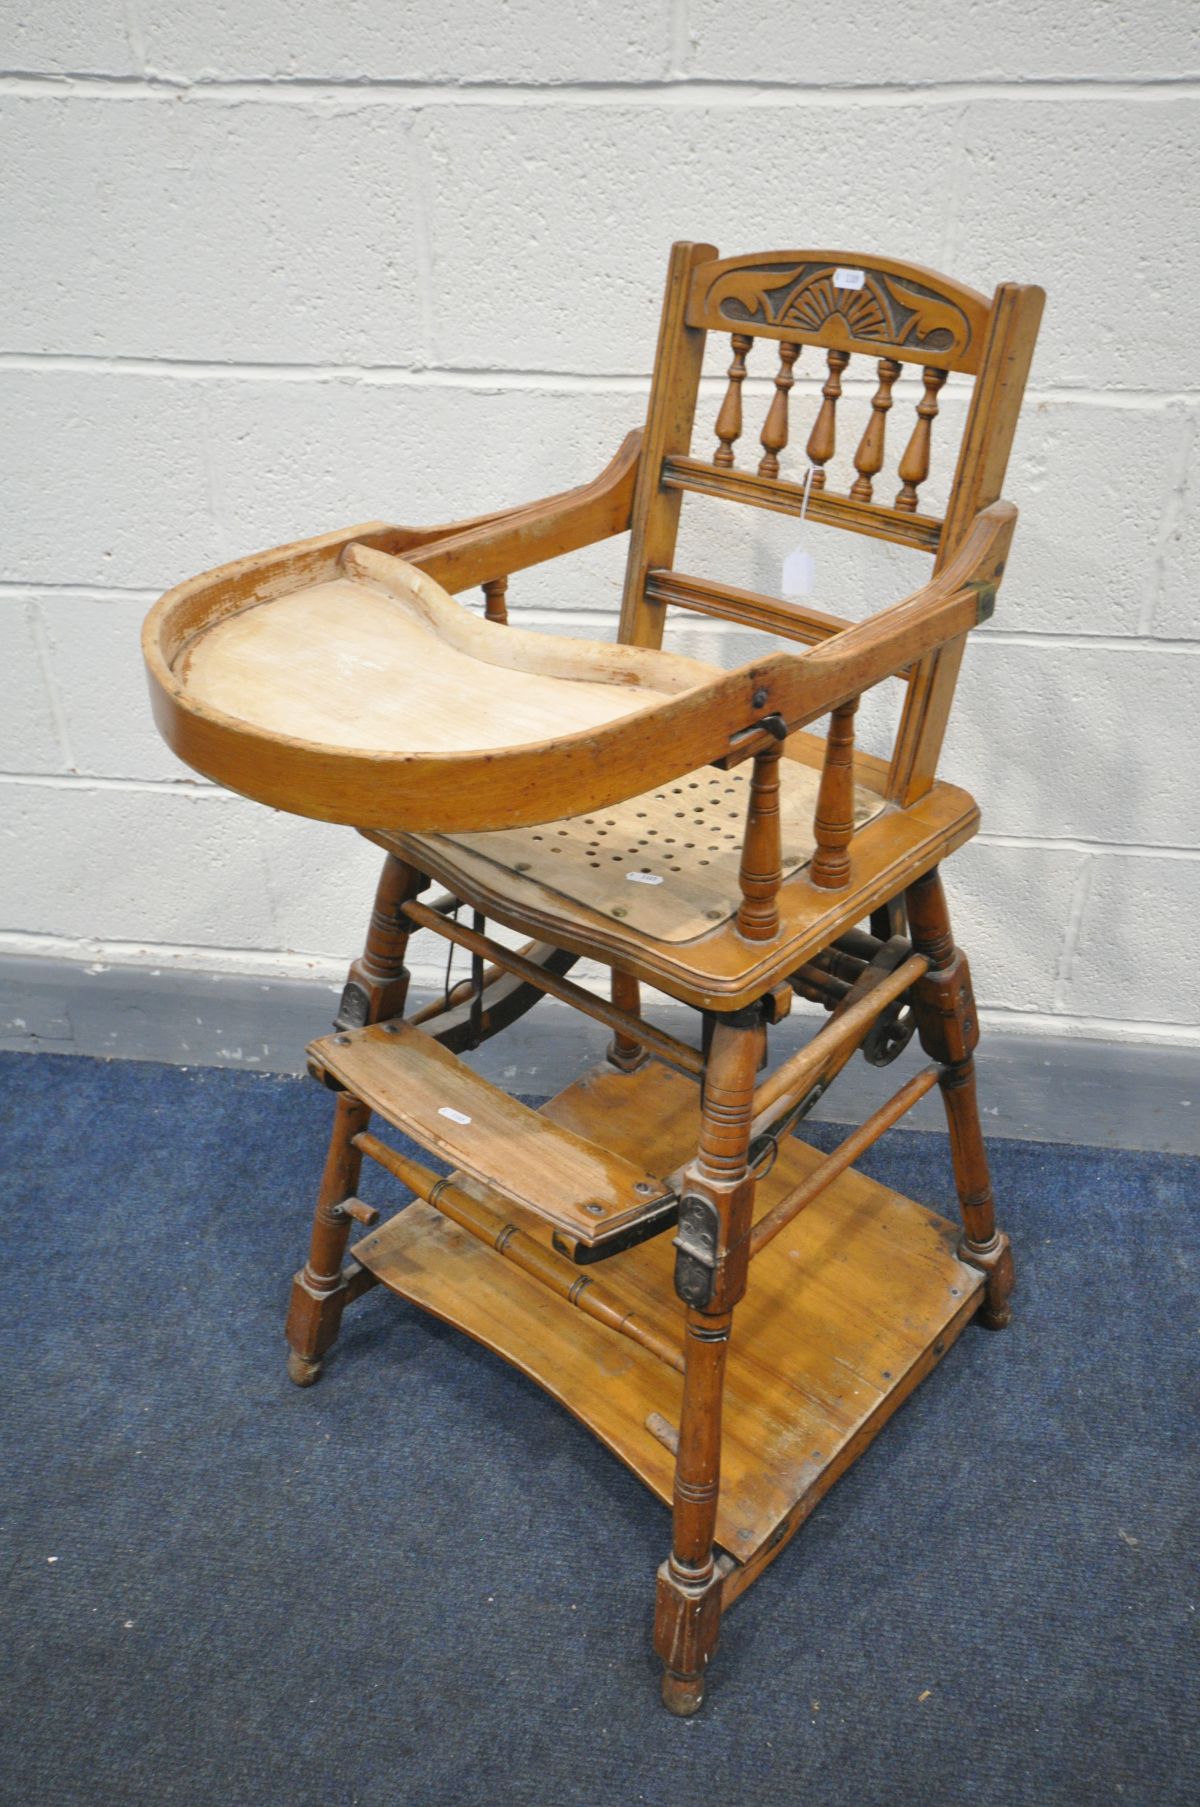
(559, 1173)
(847, 1309)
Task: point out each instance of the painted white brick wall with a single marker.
(274, 269)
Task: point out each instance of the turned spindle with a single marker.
(833, 822)
(761, 872)
(729, 420)
(822, 439)
(774, 435)
(868, 460)
(495, 607)
(914, 466)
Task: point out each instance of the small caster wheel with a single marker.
(682, 1695)
(303, 1371)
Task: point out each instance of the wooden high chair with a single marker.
(678, 824)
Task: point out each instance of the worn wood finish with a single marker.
(319, 1289)
(719, 970)
(495, 600)
(497, 1230)
(914, 465)
(667, 1047)
(655, 514)
(843, 1156)
(780, 496)
(678, 823)
(761, 871)
(377, 986)
(627, 1049)
(421, 1088)
(684, 841)
(496, 546)
(948, 1024)
(791, 619)
(653, 714)
(833, 823)
(978, 481)
(842, 1311)
(901, 310)
(774, 435)
(710, 1277)
(817, 1064)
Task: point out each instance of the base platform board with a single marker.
(846, 1310)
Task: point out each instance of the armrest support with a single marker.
(950, 604)
(801, 688)
(491, 546)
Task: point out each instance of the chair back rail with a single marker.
(821, 309)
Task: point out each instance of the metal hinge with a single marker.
(696, 1249)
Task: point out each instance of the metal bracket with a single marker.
(354, 1008)
(985, 591)
(696, 1249)
(768, 1142)
(893, 1029)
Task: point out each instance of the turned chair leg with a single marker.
(710, 1276)
(948, 1023)
(375, 990)
(319, 1291)
(624, 1053)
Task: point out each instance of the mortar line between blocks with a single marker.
(751, 93)
(487, 380)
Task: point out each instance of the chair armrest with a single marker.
(959, 598)
(800, 688)
(490, 546)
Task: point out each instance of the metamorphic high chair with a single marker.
(733, 1313)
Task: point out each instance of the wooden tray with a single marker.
(338, 681)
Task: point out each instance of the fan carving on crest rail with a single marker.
(885, 310)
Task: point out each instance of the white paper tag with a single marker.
(445, 1110)
(799, 571)
(644, 878)
(846, 278)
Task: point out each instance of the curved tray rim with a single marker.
(457, 791)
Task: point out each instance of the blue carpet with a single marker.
(421, 1582)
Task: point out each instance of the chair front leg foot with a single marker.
(687, 1625)
(313, 1321)
(995, 1260)
(682, 1695)
(302, 1370)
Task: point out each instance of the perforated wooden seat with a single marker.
(560, 883)
(665, 863)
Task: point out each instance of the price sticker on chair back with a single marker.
(799, 567)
